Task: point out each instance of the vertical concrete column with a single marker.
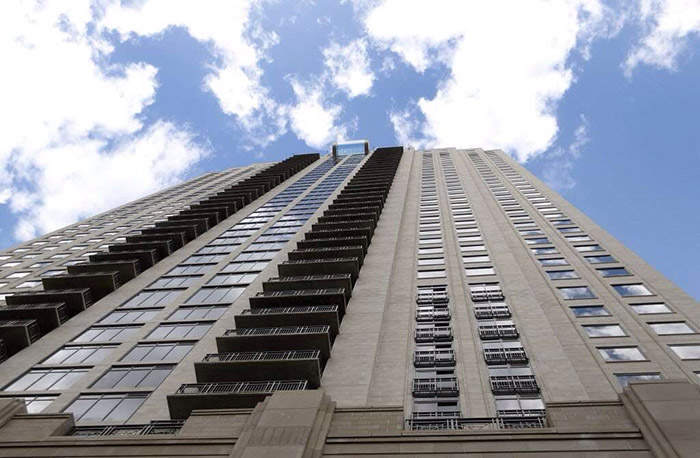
(668, 415)
(286, 425)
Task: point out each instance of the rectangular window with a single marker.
(432, 273)
(431, 262)
(590, 310)
(538, 251)
(617, 354)
(553, 262)
(469, 248)
(209, 312)
(133, 377)
(477, 271)
(561, 274)
(632, 289)
(578, 238)
(476, 259)
(648, 309)
(245, 266)
(537, 241)
(46, 380)
(170, 352)
(424, 251)
(585, 248)
(179, 331)
(599, 259)
(190, 270)
(152, 299)
(131, 316)
(233, 279)
(107, 334)
(77, 354)
(624, 379)
(671, 327)
(35, 404)
(174, 282)
(566, 230)
(686, 351)
(613, 272)
(216, 295)
(576, 292)
(105, 407)
(604, 330)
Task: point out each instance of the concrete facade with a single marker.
(606, 379)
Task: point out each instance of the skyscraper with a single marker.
(361, 303)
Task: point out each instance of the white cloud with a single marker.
(668, 26)
(561, 161)
(73, 142)
(237, 43)
(349, 67)
(507, 61)
(312, 118)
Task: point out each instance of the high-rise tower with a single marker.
(361, 303)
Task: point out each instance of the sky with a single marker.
(103, 102)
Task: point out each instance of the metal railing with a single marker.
(334, 248)
(497, 332)
(423, 358)
(440, 386)
(307, 278)
(436, 414)
(169, 427)
(514, 384)
(318, 260)
(484, 296)
(505, 355)
(426, 335)
(433, 315)
(316, 329)
(242, 387)
(289, 310)
(3, 351)
(491, 311)
(262, 356)
(439, 424)
(432, 298)
(300, 292)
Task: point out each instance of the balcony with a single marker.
(442, 315)
(3, 351)
(335, 242)
(154, 428)
(487, 296)
(261, 366)
(432, 298)
(176, 238)
(299, 298)
(47, 316)
(18, 334)
(514, 384)
(472, 424)
(192, 227)
(164, 247)
(76, 300)
(189, 233)
(277, 339)
(329, 266)
(342, 218)
(99, 283)
(433, 358)
(127, 270)
(203, 223)
(211, 217)
(323, 315)
(334, 233)
(310, 282)
(498, 332)
(202, 396)
(349, 212)
(491, 311)
(349, 223)
(440, 386)
(505, 355)
(328, 252)
(145, 258)
(440, 334)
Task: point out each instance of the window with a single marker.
(46, 379)
(561, 222)
(18, 275)
(537, 241)
(52, 273)
(431, 262)
(604, 330)
(133, 377)
(477, 271)
(152, 298)
(174, 282)
(686, 351)
(77, 354)
(431, 274)
(561, 274)
(215, 295)
(578, 238)
(190, 270)
(172, 352)
(613, 272)
(36, 404)
(510, 405)
(245, 266)
(566, 230)
(212, 312)
(599, 259)
(576, 292)
(633, 289)
(553, 262)
(671, 327)
(11, 264)
(105, 407)
(585, 248)
(29, 284)
(648, 309)
(131, 316)
(232, 279)
(474, 259)
(179, 331)
(624, 379)
(590, 310)
(538, 251)
(617, 354)
(107, 334)
(472, 248)
(436, 250)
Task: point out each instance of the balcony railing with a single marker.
(497, 332)
(262, 356)
(436, 414)
(277, 331)
(491, 311)
(489, 295)
(318, 261)
(527, 414)
(505, 355)
(3, 351)
(308, 277)
(288, 310)
(433, 315)
(426, 358)
(300, 292)
(32, 327)
(432, 298)
(434, 334)
(514, 384)
(166, 427)
(440, 386)
(242, 387)
(439, 424)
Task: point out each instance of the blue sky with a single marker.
(106, 101)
